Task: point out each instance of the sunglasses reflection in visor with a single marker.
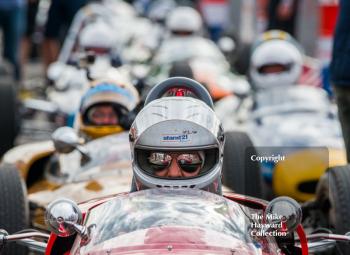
(188, 162)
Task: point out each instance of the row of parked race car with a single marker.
(272, 116)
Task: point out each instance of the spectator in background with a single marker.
(340, 69)
(12, 23)
(32, 10)
(282, 15)
(61, 14)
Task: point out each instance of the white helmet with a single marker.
(184, 20)
(120, 9)
(97, 37)
(274, 63)
(182, 126)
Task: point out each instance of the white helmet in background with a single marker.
(184, 20)
(97, 37)
(275, 63)
(120, 8)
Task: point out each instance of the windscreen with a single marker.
(157, 208)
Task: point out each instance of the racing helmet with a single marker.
(107, 98)
(97, 37)
(184, 20)
(182, 128)
(276, 61)
(276, 34)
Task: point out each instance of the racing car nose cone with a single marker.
(284, 211)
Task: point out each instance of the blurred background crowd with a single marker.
(34, 30)
(42, 40)
(277, 72)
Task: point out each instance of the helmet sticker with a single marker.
(175, 138)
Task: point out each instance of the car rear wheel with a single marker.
(9, 124)
(240, 173)
(14, 211)
(333, 197)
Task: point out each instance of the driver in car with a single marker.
(276, 61)
(177, 142)
(103, 115)
(106, 108)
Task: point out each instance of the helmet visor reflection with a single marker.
(188, 162)
(153, 161)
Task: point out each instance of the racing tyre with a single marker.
(240, 173)
(333, 197)
(14, 211)
(9, 124)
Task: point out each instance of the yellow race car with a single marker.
(300, 124)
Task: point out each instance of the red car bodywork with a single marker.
(167, 240)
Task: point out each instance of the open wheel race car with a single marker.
(61, 167)
(185, 221)
(38, 173)
(168, 221)
(298, 122)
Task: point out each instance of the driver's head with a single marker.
(104, 114)
(105, 108)
(96, 38)
(184, 21)
(177, 142)
(276, 61)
